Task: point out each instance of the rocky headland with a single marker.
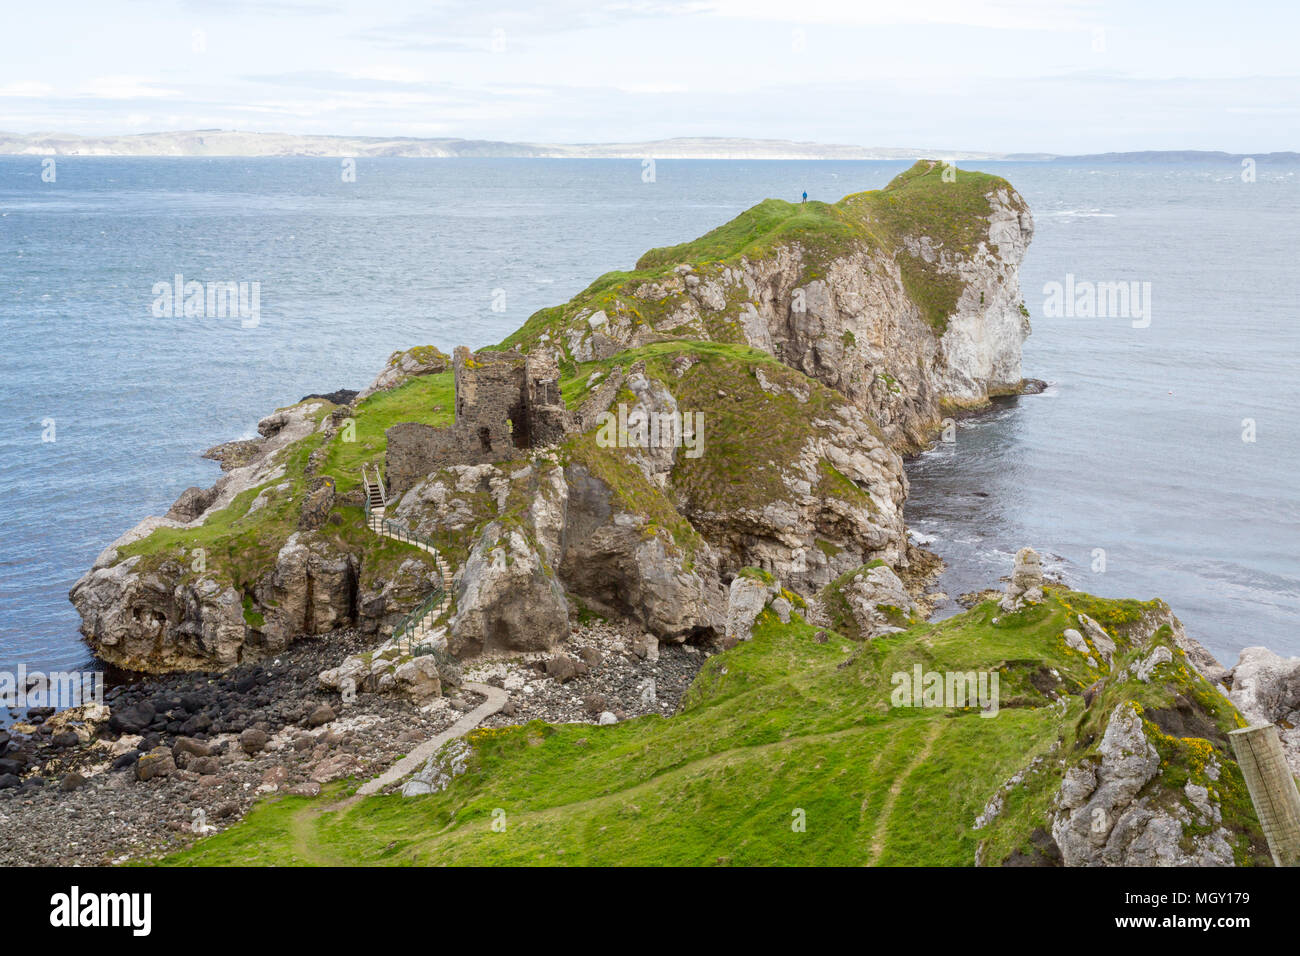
(762, 590)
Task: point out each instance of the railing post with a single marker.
(1272, 789)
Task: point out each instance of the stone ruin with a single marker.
(506, 402)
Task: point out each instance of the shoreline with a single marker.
(188, 754)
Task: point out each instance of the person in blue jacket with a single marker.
(805, 195)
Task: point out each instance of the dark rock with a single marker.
(66, 739)
(126, 760)
(8, 781)
(132, 719)
(321, 715)
(317, 505)
(594, 703)
(253, 741)
(342, 396)
(192, 503)
(72, 781)
(562, 668)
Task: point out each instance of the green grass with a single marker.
(952, 213)
(777, 727)
(240, 546)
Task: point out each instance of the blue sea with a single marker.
(1134, 454)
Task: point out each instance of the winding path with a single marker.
(496, 699)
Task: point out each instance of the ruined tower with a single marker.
(506, 402)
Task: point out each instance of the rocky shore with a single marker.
(187, 755)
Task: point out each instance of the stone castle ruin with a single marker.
(506, 402)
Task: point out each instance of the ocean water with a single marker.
(1135, 449)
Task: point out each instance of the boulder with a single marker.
(646, 647)
(746, 599)
(253, 741)
(132, 719)
(877, 601)
(191, 504)
(321, 714)
(156, 763)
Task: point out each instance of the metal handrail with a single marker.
(403, 632)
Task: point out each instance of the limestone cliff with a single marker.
(905, 299)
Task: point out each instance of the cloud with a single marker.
(124, 88)
(467, 26)
(990, 14)
(26, 88)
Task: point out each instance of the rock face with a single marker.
(1103, 817)
(1266, 689)
(507, 599)
(610, 561)
(1026, 585)
(311, 591)
(928, 316)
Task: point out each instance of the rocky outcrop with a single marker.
(312, 590)
(1026, 584)
(615, 563)
(1266, 689)
(748, 595)
(876, 600)
(146, 621)
(402, 366)
(827, 352)
(507, 599)
(390, 669)
(1105, 818)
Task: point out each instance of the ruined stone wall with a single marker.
(505, 402)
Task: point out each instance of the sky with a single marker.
(999, 75)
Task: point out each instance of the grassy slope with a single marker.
(915, 203)
(778, 724)
(241, 547)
